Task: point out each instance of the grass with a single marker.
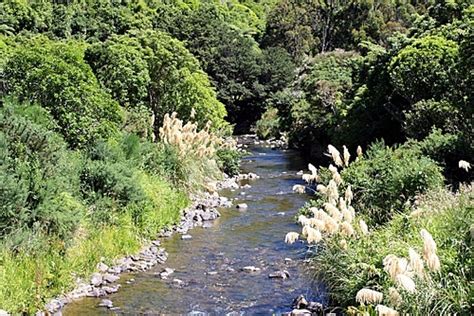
(448, 217)
(28, 278)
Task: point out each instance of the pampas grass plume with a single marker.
(291, 237)
(347, 155)
(336, 155)
(383, 310)
(363, 227)
(406, 282)
(416, 264)
(464, 165)
(394, 297)
(368, 296)
(346, 229)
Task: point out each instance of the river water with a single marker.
(210, 263)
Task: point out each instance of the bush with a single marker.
(229, 161)
(38, 177)
(425, 69)
(54, 75)
(387, 178)
(447, 217)
(269, 124)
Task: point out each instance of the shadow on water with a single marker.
(210, 263)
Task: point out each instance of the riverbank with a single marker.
(106, 279)
(232, 263)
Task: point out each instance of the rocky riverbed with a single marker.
(106, 280)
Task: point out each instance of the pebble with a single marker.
(250, 269)
(279, 275)
(106, 303)
(242, 206)
(186, 237)
(178, 282)
(211, 273)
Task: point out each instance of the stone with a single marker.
(166, 273)
(110, 278)
(250, 269)
(53, 305)
(279, 275)
(300, 312)
(252, 175)
(111, 289)
(186, 237)
(288, 260)
(211, 273)
(106, 303)
(300, 302)
(102, 267)
(96, 279)
(114, 270)
(242, 206)
(178, 282)
(315, 307)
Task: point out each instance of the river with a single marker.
(210, 263)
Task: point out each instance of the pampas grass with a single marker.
(291, 237)
(347, 156)
(383, 310)
(416, 263)
(464, 165)
(336, 155)
(368, 296)
(394, 297)
(363, 227)
(406, 282)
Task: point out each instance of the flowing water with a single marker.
(210, 263)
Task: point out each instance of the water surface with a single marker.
(210, 263)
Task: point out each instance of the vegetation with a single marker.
(112, 111)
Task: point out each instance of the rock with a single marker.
(279, 275)
(106, 303)
(253, 176)
(38, 313)
(110, 278)
(288, 260)
(207, 225)
(111, 289)
(186, 237)
(166, 273)
(114, 270)
(211, 273)
(299, 302)
(300, 312)
(156, 243)
(246, 186)
(178, 282)
(300, 173)
(102, 267)
(53, 305)
(315, 307)
(242, 206)
(242, 193)
(96, 279)
(250, 269)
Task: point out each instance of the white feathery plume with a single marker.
(313, 235)
(343, 244)
(391, 266)
(332, 192)
(348, 194)
(416, 264)
(317, 223)
(429, 245)
(346, 229)
(331, 225)
(333, 211)
(433, 262)
(406, 282)
(363, 227)
(347, 155)
(313, 169)
(322, 189)
(303, 220)
(383, 310)
(359, 151)
(332, 169)
(298, 188)
(368, 296)
(291, 237)
(394, 297)
(336, 155)
(464, 165)
(337, 178)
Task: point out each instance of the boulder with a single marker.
(96, 279)
(242, 206)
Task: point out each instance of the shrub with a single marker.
(387, 178)
(54, 75)
(229, 160)
(269, 124)
(425, 68)
(38, 178)
(447, 217)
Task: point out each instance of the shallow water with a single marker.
(237, 239)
